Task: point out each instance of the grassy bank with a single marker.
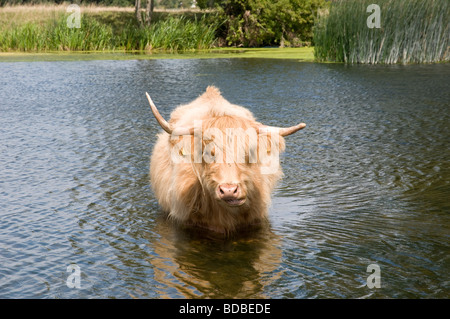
(44, 28)
(413, 31)
(40, 33)
(304, 54)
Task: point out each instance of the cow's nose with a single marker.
(228, 191)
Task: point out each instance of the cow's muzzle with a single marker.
(230, 194)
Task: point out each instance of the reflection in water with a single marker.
(198, 265)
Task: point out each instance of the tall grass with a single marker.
(173, 34)
(413, 31)
(56, 35)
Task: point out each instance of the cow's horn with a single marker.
(166, 125)
(283, 131)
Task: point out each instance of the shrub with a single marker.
(266, 22)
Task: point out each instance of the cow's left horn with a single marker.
(166, 125)
(283, 131)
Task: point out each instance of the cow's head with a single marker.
(234, 158)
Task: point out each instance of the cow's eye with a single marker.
(209, 149)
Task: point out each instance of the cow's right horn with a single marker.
(166, 125)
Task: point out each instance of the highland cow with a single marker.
(215, 166)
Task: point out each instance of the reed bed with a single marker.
(173, 35)
(47, 30)
(413, 31)
(56, 36)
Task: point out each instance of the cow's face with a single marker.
(235, 156)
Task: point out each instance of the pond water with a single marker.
(366, 182)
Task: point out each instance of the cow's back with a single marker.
(209, 105)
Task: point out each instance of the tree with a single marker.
(205, 4)
(148, 12)
(137, 11)
(268, 22)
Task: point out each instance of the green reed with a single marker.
(413, 31)
(56, 35)
(91, 36)
(173, 34)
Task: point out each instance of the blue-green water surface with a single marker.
(366, 182)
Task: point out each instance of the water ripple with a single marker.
(366, 182)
